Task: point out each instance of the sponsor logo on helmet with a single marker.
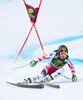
(64, 49)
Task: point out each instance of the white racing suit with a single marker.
(55, 67)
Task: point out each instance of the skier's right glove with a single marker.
(74, 78)
(33, 63)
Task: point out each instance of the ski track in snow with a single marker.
(67, 39)
(30, 50)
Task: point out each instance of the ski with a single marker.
(50, 85)
(36, 85)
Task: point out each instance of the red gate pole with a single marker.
(39, 41)
(24, 43)
(29, 34)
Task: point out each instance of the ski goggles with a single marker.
(63, 53)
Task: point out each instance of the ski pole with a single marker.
(20, 67)
(66, 77)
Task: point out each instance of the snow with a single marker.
(59, 22)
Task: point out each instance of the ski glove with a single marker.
(74, 78)
(33, 63)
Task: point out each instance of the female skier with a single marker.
(53, 69)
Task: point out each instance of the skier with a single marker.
(55, 68)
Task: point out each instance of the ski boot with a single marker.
(47, 79)
(25, 82)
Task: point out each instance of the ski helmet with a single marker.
(62, 48)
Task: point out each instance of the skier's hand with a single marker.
(33, 63)
(74, 78)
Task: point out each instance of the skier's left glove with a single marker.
(33, 63)
(74, 78)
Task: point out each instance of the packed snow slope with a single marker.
(59, 22)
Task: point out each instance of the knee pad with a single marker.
(43, 73)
